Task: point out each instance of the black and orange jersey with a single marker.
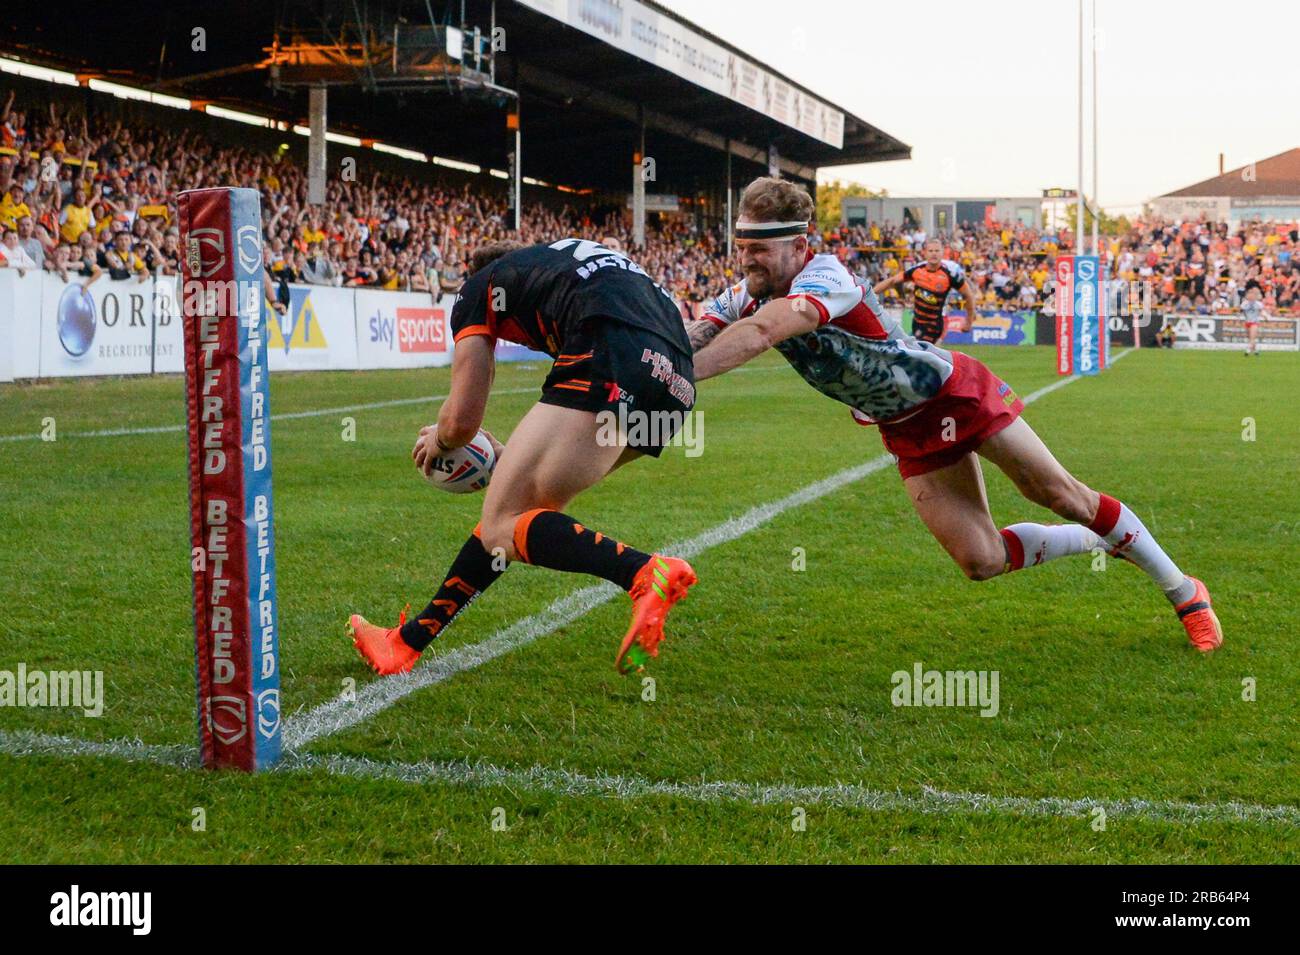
(541, 295)
(930, 288)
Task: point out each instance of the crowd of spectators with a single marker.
(92, 196)
(1203, 267)
(89, 197)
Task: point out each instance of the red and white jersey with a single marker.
(826, 285)
(859, 353)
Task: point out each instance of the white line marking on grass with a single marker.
(566, 782)
(287, 416)
(335, 715)
(291, 415)
(374, 697)
(29, 743)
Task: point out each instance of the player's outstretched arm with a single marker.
(461, 415)
(968, 290)
(739, 342)
(700, 333)
(884, 284)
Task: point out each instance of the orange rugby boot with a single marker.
(384, 649)
(1200, 620)
(657, 586)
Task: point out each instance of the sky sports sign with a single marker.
(401, 330)
(410, 329)
(1082, 343)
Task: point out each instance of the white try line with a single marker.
(294, 415)
(287, 416)
(567, 782)
(340, 714)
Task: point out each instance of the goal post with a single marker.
(232, 555)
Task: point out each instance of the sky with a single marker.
(985, 93)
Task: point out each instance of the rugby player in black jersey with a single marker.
(616, 338)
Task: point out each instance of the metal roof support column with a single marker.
(640, 169)
(729, 191)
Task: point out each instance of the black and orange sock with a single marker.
(551, 539)
(471, 573)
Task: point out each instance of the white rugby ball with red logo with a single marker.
(464, 469)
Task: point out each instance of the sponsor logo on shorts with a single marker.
(662, 369)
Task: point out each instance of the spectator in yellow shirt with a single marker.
(120, 260)
(75, 218)
(13, 207)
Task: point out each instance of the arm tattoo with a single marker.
(700, 333)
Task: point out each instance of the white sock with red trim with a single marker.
(1129, 537)
(1029, 545)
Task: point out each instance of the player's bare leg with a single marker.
(953, 505)
(557, 457)
(552, 456)
(1023, 457)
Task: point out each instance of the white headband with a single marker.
(770, 230)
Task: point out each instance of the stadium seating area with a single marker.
(1193, 267)
(79, 183)
(92, 195)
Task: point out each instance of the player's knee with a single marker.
(497, 533)
(981, 565)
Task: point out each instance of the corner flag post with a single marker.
(236, 634)
(1082, 333)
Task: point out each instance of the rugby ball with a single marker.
(464, 469)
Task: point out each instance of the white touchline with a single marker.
(30, 743)
(566, 782)
(290, 415)
(339, 714)
(287, 416)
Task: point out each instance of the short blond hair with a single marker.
(776, 200)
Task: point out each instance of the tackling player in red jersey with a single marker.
(617, 340)
(938, 411)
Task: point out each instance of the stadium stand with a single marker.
(92, 194)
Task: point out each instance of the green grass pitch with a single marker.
(771, 677)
